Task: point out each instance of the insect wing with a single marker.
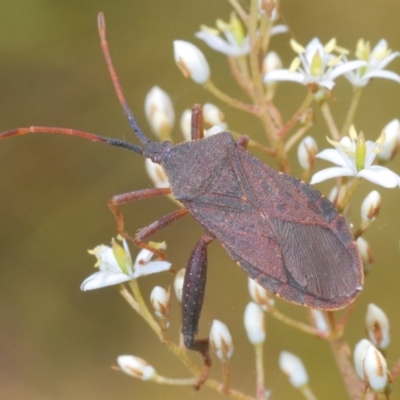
(282, 232)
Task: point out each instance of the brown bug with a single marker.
(282, 232)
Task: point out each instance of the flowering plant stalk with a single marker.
(246, 39)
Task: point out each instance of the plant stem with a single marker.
(209, 85)
(297, 115)
(351, 112)
(301, 326)
(326, 112)
(260, 387)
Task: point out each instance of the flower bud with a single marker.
(215, 129)
(392, 143)
(293, 368)
(213, 115)
(156, 174)
(318, 320)
(375, 369)
(159, 112)
(221, 340)
(359, 356)
(159, 299)
(136, 367)
(254, 323)
(377, 324)
(178, 284)
(371, 206)
(306, 153)
(271, 62)
(260, 295)
(366, 253)
(186, 125)
(191, 61)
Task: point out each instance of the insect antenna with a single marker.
(91, 136)
(104, 45)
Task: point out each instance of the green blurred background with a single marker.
(59, 343)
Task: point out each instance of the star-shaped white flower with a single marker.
(316, 65)
(229, 38)
(115, 266)
(376, 61)
(355, 157)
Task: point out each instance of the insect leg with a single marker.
(243, 141)
(156, 226)
(197, 122)
(192, 301)
(120, 199)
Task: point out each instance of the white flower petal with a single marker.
(102, 279)
(329, 173)
(389, 59)
(284, 75)
(333, 156)
(152, 267)
(382, 74)
(346, 67)
(381, 176)
(217, 43)
(277, 29)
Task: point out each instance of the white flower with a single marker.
(371, 206)
(316, 65)
(392, 142)
(293, 368)
(115, 266)
(156, 174)
(271, 62)
(159, 299)
(376, 61)
(191, 61)
(359, 356)
(234, 44)
(377, 324)
(159, 112)
(375, 369)
(354, 157)
(221, 340)
(136, 367)
(254, 323)
(186, 125)
(306, 153)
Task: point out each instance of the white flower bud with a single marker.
(191, 61)
(377, 324)
(136, 367)
(178, 284)
(260, 295)
(159, 299)
(365, 252)
(159, 112)
(156, 174)
(371, 206)
(293, 368)
(254, 323)
(221, 340)
(375, 369)
(359, 356)
(271, 62)
(306, 153)
(213, 115)
(215, 129)
(319, 321)
(186, 125)
(392, 143)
